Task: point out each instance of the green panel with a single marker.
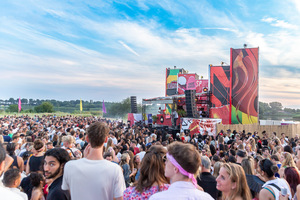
(174, 71)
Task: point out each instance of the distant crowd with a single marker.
(70, 157)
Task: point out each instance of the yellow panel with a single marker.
(171, 78)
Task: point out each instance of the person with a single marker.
(12, 180)
(68, 142)
(36, 160)
(93, 177)
(253, 181)
(6, 194)
(182, 164)
(152, 178)
(175, 117)
(137, 166)
(206, 180)
(54, 162)
(287, 161)
(37, 182)
(18, 162)
(273, 185)
(240, 155)
(125, 158)
(232, 182)
(160, 111)
(291, 175)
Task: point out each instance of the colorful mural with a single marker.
(220, 93)
(244, 94)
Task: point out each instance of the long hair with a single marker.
(152, 169)
(292, 177)
(237, 175)
(288, 160)
(217, 167)
(124, 159)
(248, 165)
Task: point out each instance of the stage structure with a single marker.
(234, 88)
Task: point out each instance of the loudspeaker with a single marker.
(133, 104)
(191, 109)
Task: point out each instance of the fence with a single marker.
(290, 130)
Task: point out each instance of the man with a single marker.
(207, 181)
(12, 180)
(240, 155)
(54, 162)
(49, 145)
(5, 193)
(175, 117)
(93, 177)
(265, 153)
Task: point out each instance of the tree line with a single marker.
(114, 109)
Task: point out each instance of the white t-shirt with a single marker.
(181, 190)
(6, 194)
(93, 179)
(18, 192)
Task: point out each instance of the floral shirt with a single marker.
(130, 193)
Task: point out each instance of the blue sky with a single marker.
(115, 49)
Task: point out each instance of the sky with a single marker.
(110, 50)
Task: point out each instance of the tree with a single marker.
(24, 101)
(11, 100)
(12, 108)
(45, 107)
(275, 107)
(264, 108)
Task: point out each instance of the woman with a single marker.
(248, 167)
(291, 175)
(18, 162)
(126, 169)
(151, 179)
(183, 162)
(273, 185)
(216, 168)
(232, 182)
(37, 181)
(35, 161)
(287, 161)
(137, 166)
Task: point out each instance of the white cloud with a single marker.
(279, 23)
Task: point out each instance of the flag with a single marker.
(19, 106)
(80, 105)
(103, 107)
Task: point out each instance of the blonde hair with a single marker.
(124, 159)
(217, 167)
(68, 138)
(1, 139)
(237, 175)
(288, 160)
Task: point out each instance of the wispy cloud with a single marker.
(128, 48)
(279, 23)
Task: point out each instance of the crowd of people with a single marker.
(70, 157)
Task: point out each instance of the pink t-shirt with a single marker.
(131, 193)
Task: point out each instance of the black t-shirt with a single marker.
(55, 191)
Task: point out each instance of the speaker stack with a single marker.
(133, 104)
(190, 102)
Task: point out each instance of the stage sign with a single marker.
(220, 93)
(244, 74)
(200, 125)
